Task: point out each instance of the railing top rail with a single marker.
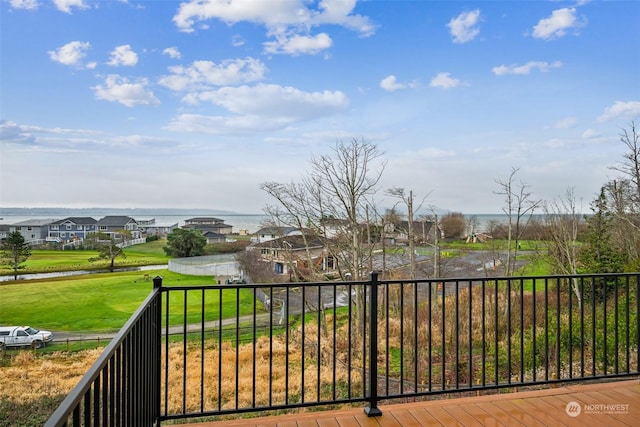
(392, 281)
(61, 414)
(511, 278)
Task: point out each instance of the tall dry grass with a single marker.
(32, 386)
(31, 377)
(273, 371)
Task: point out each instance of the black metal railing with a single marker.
(122, 388)
(230, 349)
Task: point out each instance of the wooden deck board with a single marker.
(528, 408)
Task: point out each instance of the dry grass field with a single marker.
(32, 386)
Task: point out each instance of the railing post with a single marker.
(372, 410)
(157, 400)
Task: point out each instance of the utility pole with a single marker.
(410, 232)
(436, 249)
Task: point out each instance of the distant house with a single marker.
(285, 253)
(399, 233)
(203, 221)
(336, 228)
(149, 227)
(112, 225)
(205, 224)
(33, 230)
(71, 229)
(213, 237)
(4, 231)
(271, 233)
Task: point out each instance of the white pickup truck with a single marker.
(23, 336)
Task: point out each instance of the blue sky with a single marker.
(194, 104)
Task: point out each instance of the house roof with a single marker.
(204, 219)
(35, 222)
(276, 231)
(115, 220)
(295, 242)
(85, 220)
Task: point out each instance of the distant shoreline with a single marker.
(59, 211)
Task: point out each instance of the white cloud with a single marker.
(11, 132)
(273, 14)
(276, 101)
(219, 125)
(123, 55)
(66, 5)
(556, 25)
(206, 74)
(590, 134)
(119, 89)
(71, 53)
(258, 108)
(542, 66)
(172, 52)
(237, 40)
(391, 84)
(24, 4)
(620, 109)
(566, 123)
(464, 27)
(445, 81)
(38, 137)
(298, 44)
(287, 21)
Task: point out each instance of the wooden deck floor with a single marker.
(598, 405)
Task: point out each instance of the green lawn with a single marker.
(45, 261)
(105, 301)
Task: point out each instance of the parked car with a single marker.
(23, 336)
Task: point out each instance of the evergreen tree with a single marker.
(185, 242)
(600, 253)
(15, 251)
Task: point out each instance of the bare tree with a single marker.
(345, 180)
(562, 225)
(407, 199)
(519, 206)
(624, 195)
(630, 165)
(337, 190)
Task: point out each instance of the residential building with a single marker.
(112, 225)
(271, 233)
(205, 224)
(71, 229)
(4, 231)
(149, 227)
(33, 230)
(213, 237)
(287, 253)
(399, 233)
